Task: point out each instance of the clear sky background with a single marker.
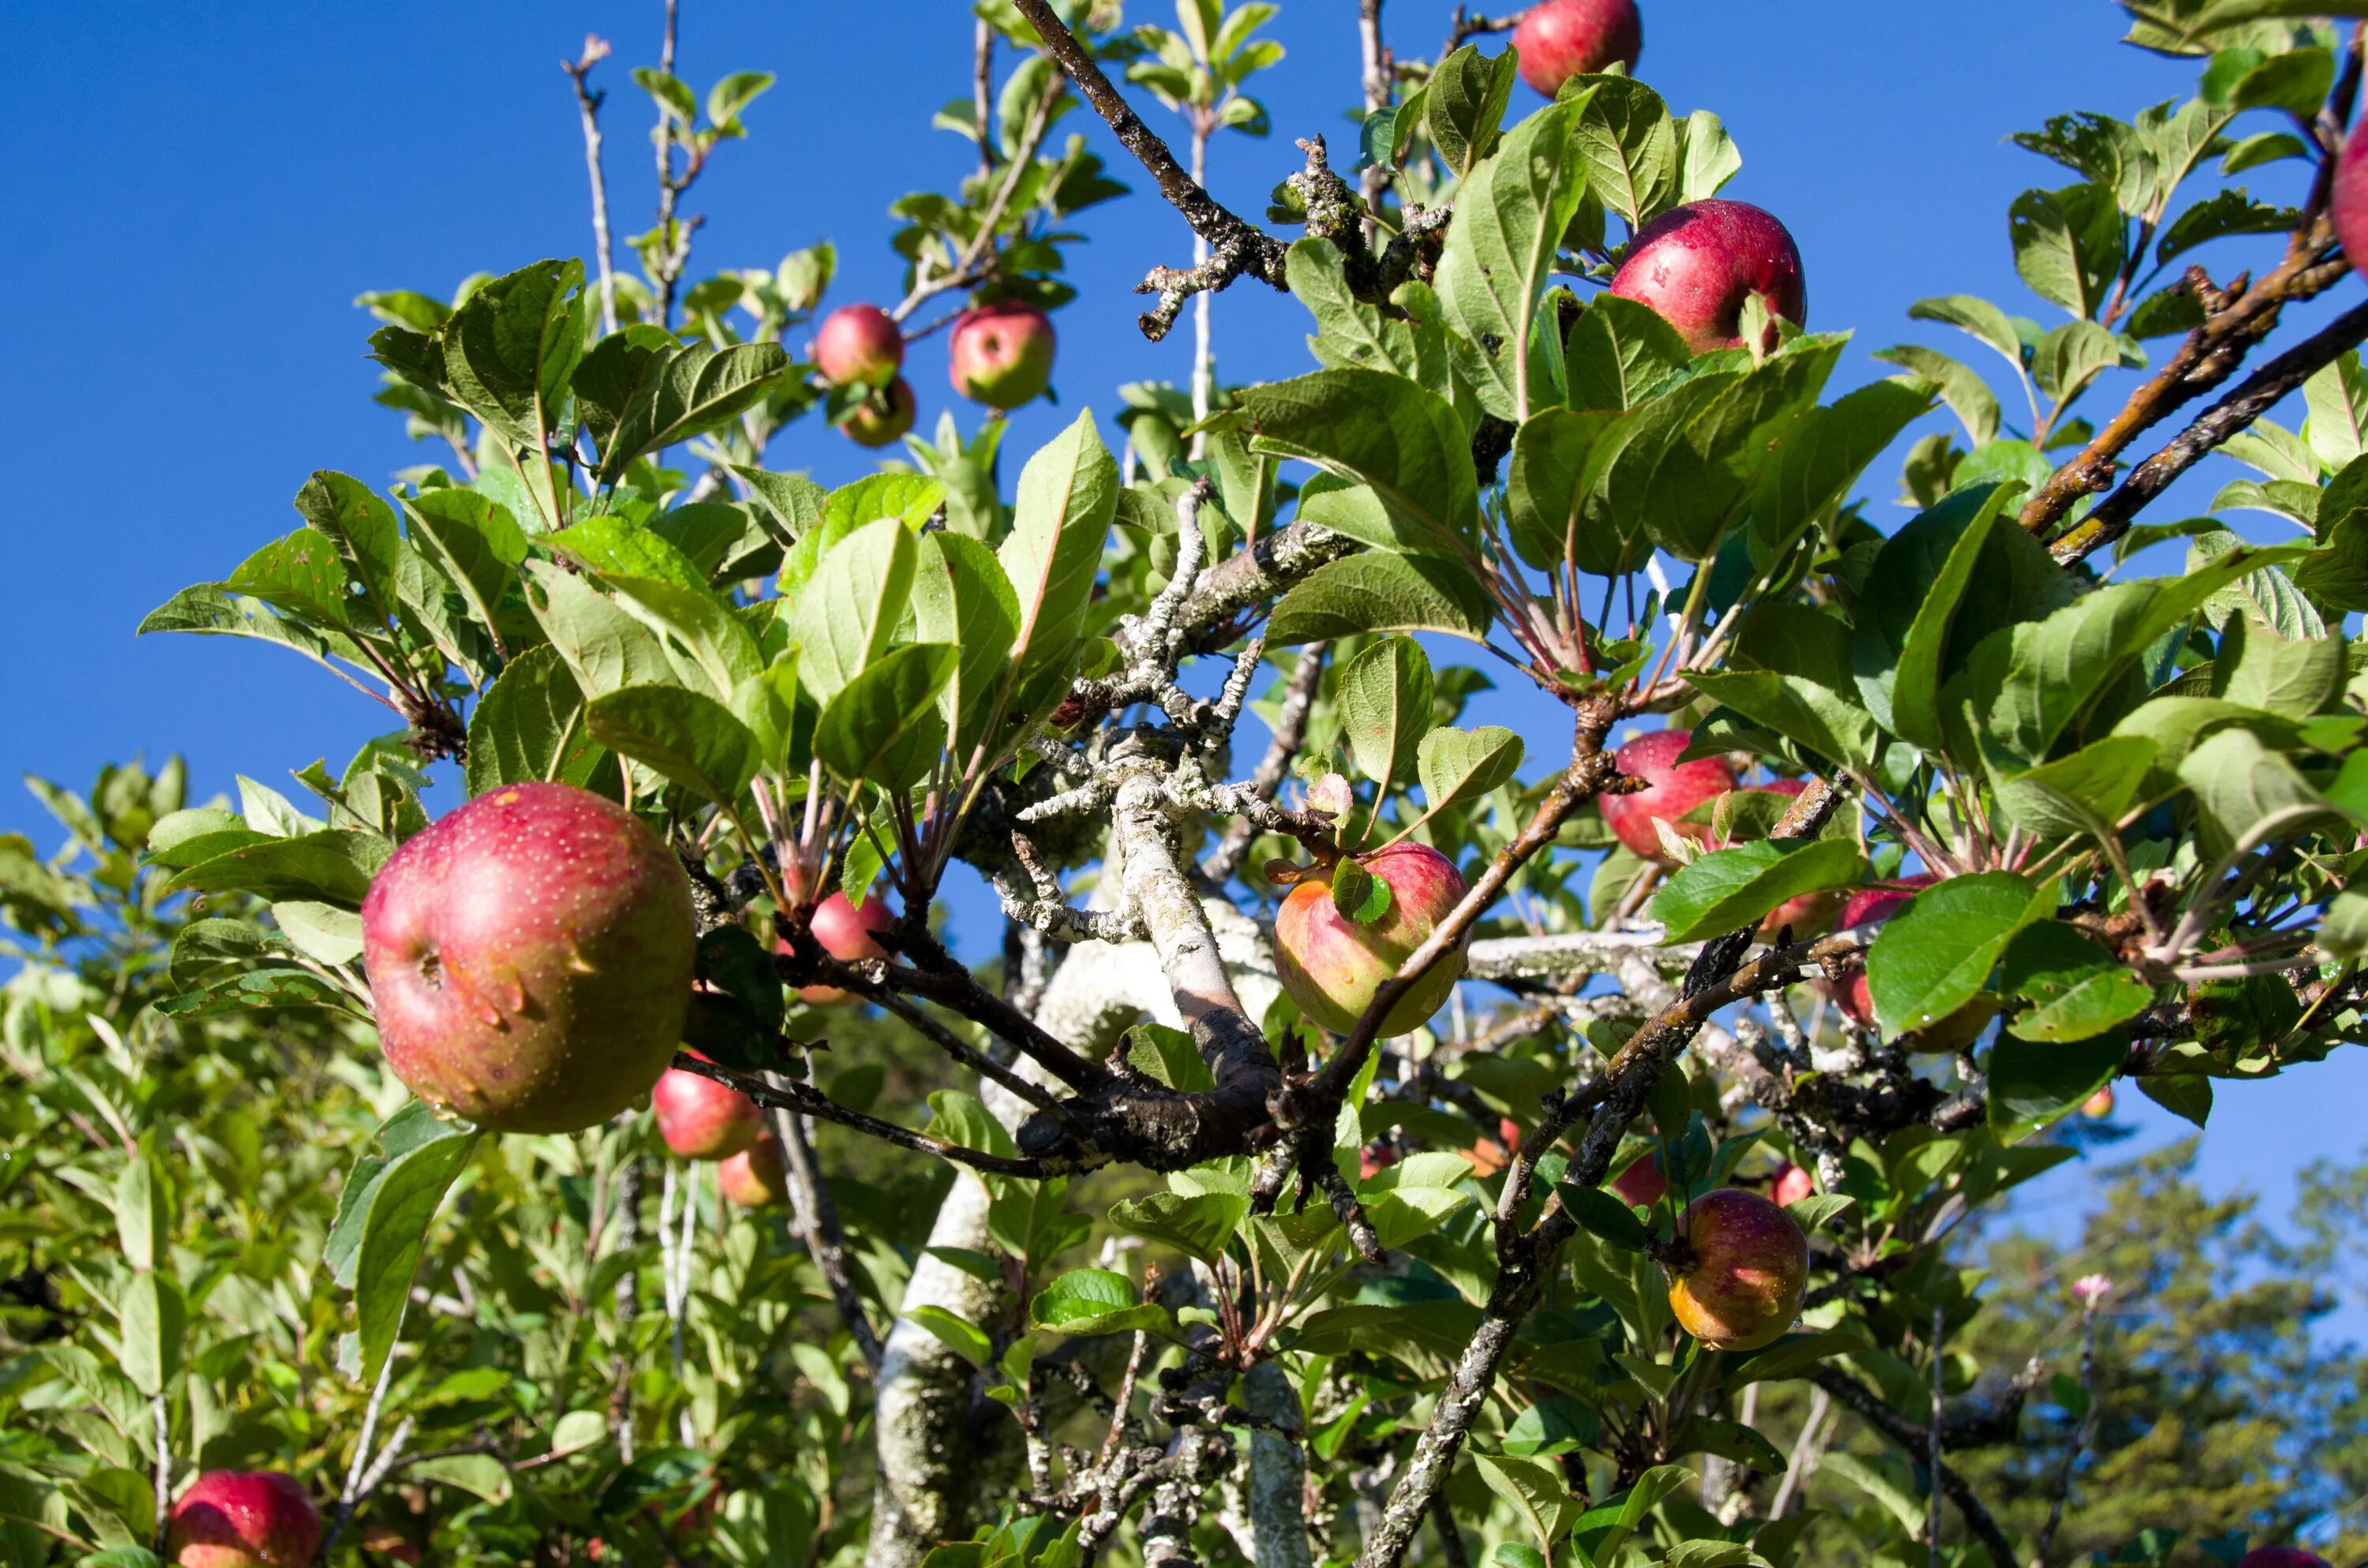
(197, 191)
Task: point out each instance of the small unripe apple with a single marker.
(243, 1518)
(1561, 39)
(1002, 354)
(755, 1178)
(2281, 1556)
(1642, 1185)
(530, 959)
(1672, 789)
(2347, 205)
(2099, 1106)
(1331, 965)
(1742, 1287)
(884, 417)
(847, 933)
(702, 1120)
(859, 343)
(1695, 265)
(1792, 1184)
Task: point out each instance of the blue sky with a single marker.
(203, 187)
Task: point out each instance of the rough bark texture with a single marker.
(1276, 1491)
(942, 1459)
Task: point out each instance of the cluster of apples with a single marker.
(1001, 356)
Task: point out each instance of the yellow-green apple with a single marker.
(847, 933)
(1792, 1183)
(755, 1178)
(243, 1518)
(1561, 39)
(702, 1120)
(882, 417)
(1331, 965)
(1741, 1285)
(858, 344)
(1695, 265)
(530, 959)
(1672, 789)
(1002, 354)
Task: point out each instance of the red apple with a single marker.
(847, 934)
(859, 343)
(1373, 1159)
(243, 1518)
(1002, 354)
(1561, 39)
(530, 960)
(884, 417)
(702, 1120)
(1695, 265)
(2349, 207)
(1642, 1185)
(1331, 965)
(1672, 789)
(1791, 1184)
(2099, 1106)
(2283, 1556)
(755, 1178)
(1742, 1287)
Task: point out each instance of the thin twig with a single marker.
(587, 108)
(816, 1221)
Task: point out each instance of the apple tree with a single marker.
(1367, 1136)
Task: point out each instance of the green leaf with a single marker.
(361, 523)
(334, 866)
(1601, 1531)
(255, 990)
(793, 501)
(1963, 389)
(1358, 894)
(207, 610)
(963, 1339)
(1707, 156)
(1544, 494)
(2089, 791)
(1619, 352)
(1500, 251)
(1350, 333)
(692, 740)
(1464, 105)
(1198, 1226)
(144, 1222)
(1822, 458)
(2069, 245)
(688, 391)
(530, 726)
(476, 542)
(1067, 495)
(303, 574)
(2032, 1082)
(884, 725)
(605, 648)
(2077, 987)
(382, 1221)
(1384, 704)
(961, 596)
(1463, 765)
(1540, 1498)
(1814, 716)
(1730, 888)
(1378, 430)
(510, 350)
(1936, 954)
(1603, 1214)
(154, 1320)
(1380, 593)
(1978, 319)
(847, 615)
(2296, 677)
(720, 645)
(614, 545)
(1096, 1300)
(1627, 144)
(2249, 794)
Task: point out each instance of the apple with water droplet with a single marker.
(1741, 1285)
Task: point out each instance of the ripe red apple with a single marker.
(1751, 1262)
(1561, 39)
(702, 1120)
(1695, 265)
(1792, 1184)
(1672, 789)
(847, 934)
(1642, 1185)
(1331, 966)
(530, 960)
(1002, 354)
(884, 417)
(2282, 1556)
(2099, 1106)
(859, 343)
(2349, 207)
(243, 1518)
(758, 1176)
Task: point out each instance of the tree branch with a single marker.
(815, 1219)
